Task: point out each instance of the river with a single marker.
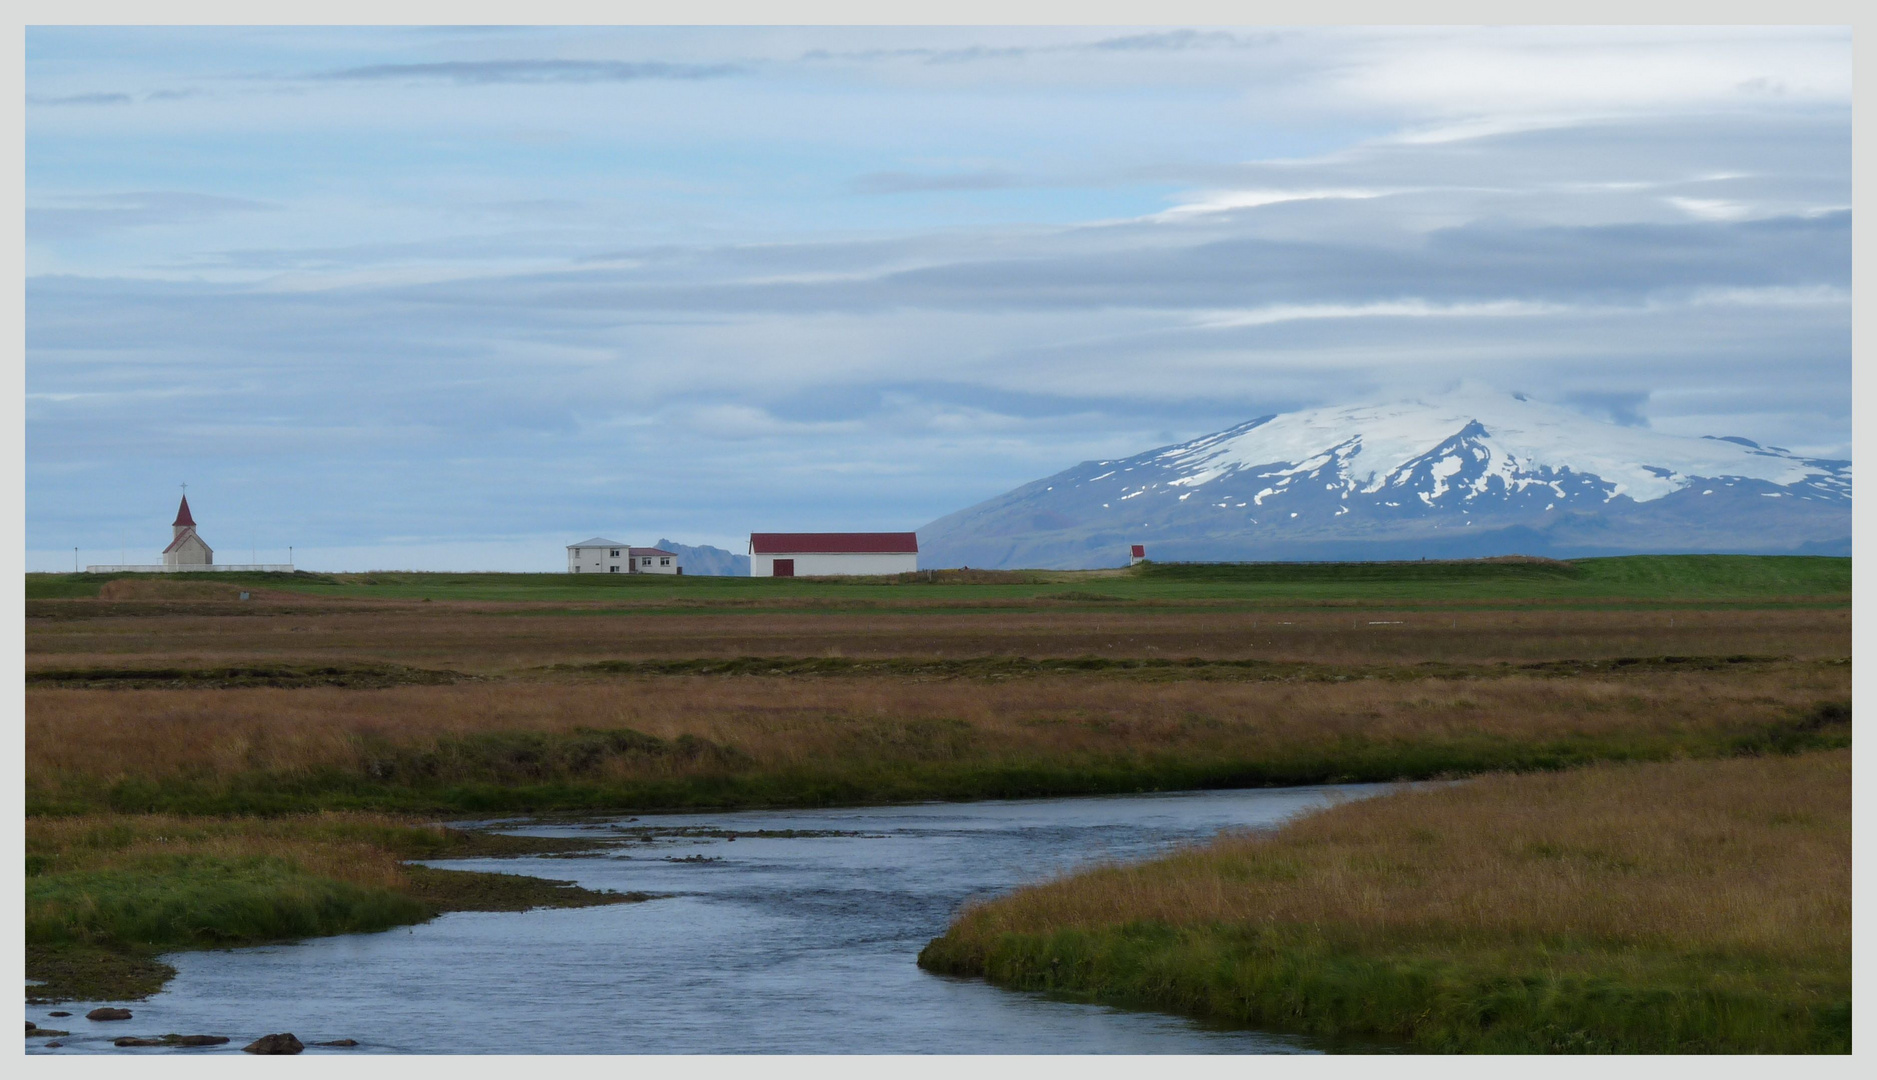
(762, 944)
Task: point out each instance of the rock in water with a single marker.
(283, 1043)
(59, 1013)
(338, 1042)
(108, 1014)
(173, 1039)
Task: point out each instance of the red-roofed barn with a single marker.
(823, 554)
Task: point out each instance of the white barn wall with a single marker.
(823, 564)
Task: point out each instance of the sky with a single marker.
(453, 298)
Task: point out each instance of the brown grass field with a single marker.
(508, 730)
(784, 724)
(485, 639)
(1721, 888)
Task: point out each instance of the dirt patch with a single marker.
(286, 676)
(471, 890)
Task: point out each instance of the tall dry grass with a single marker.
(780, 723)
(1749, 855)
(1686, 906)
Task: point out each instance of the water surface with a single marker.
(773, 944)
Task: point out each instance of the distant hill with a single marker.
(1469, 474)
(708, 561)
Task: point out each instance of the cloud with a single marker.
(1710, 209)
(447, 310)
(485, 72)
(79, 99)
(1176, 40)
(1408, 309)
(894, 183)
(1228, 201)
(1162, 41)
(1621, 408)
(90, 215)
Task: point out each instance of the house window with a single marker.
(614, 570)
(664, 562)
(647, 562)
(615, 553)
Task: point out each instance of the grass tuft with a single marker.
(1680, 907)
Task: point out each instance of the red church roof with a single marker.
(182, 514)
(833, 543)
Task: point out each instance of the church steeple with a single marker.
(182, 514)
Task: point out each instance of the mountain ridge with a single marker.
(1467, 474)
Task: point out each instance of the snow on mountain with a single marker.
(1470, 472)
(1521, 442)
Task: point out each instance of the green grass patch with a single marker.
(187, 901)
(1435, 995)
(98, 918)
(1646, 577)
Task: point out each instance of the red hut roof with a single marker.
(833, 543)
(182, 514)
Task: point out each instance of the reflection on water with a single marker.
(802, 944)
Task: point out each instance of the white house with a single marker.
(653, 561)
(599, 555)
(819, 554)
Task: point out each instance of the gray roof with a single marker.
(597, 541)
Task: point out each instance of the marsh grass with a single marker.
(486, 639)
(644, 743)
(105, 894)
(1686, 906)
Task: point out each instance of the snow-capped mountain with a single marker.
(1470, 473)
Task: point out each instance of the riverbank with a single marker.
(1675, 907)
(106, 895)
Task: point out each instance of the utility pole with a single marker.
(74, 560)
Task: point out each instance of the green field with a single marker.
(1647, 578)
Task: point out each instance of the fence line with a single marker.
(263, 568)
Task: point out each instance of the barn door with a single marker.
(785, 568)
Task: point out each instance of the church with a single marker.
(188, 552)
(186, 548)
